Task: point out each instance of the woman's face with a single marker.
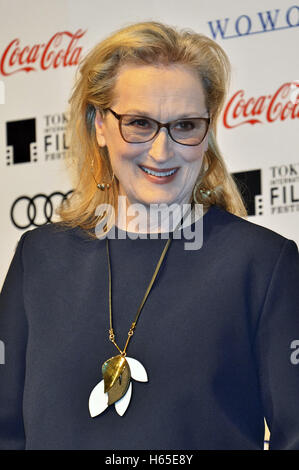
(164, 93)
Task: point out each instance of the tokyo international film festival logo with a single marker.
(21, 141)
(21, 145)
(250, 187)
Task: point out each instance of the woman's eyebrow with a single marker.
(137, 111)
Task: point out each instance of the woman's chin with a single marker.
(163, 199)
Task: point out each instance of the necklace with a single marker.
(116, 386)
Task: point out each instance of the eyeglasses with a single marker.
(139, 129)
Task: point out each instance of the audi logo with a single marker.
(37, 210)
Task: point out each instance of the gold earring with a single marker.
(206, 192)
(102, 186)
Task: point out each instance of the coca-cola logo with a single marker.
(281, 105)
(60, 51)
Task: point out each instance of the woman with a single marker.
(100, 353)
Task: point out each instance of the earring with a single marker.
(203, 191)
(102, 186)
(206, 192)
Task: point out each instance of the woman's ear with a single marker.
(99, 126)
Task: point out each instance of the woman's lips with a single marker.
(158, 179)
(159, 169)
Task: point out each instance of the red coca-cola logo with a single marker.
(281, 105)
(60, 51)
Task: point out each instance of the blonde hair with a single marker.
(150, 43)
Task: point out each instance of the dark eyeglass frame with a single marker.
(160, 125)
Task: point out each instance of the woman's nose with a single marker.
(162, 148)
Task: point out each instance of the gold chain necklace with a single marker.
(116, 386)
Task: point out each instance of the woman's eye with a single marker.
(139, 123)
(185, 125)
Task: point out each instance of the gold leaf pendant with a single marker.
(116, 374)
(120, 391)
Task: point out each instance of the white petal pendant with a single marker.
(122, 404)
(138, 371)
(99, 400)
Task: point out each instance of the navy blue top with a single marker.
(218, 336)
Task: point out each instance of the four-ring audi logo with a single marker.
(37, 210)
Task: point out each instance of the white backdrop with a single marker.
(40, 45)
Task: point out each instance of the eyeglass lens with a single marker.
(186, 131)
